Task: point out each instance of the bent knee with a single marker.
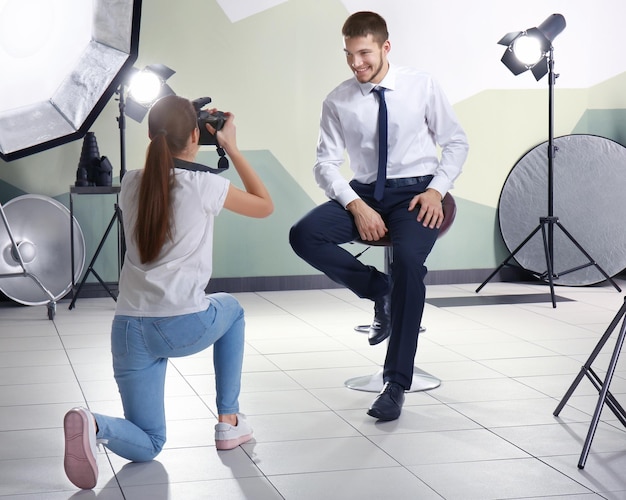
(298, 237)
(151, 453)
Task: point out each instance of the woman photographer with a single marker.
(162, 310)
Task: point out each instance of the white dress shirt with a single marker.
(420, 118)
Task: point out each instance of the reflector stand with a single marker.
(32, 244)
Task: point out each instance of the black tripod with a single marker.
(117, 217)
(601, 385)
(547, 224)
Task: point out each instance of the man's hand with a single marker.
(368, 221)
(430, 208)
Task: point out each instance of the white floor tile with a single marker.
(370, 484)
(195, 463)
(300, 426)
(492, 389)
(518, 412)
(503, 370)
(556, 439)
(320, 455)
(414, 419)
(264, 403)
(36, 394)
(243, 488)
(521, 478)
(471, 445)
(602, 472)
(21, 375)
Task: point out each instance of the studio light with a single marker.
(541, 62)
(145, 87)
(61, 62)
(137, 93)
(529, 49)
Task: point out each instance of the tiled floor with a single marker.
(487, 432)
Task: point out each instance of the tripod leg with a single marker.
(611, 402)
(591, 261)
(511, 255)
(587, 366)
(546, 250)
(104, 285)
(603, 393)
(93, 260)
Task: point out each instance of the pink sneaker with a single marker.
(80, 461)
(229, 436)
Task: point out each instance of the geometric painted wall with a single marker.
(272, 62)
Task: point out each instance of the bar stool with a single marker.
(422, 381)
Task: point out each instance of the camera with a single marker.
(216, 120)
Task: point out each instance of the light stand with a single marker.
(162, 73)
(155, 76)
(121, 121)
(546, 31)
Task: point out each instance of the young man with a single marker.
(407, 110)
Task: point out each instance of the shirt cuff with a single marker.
(441, 185)
(346, 197)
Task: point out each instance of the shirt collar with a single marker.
(389, 82)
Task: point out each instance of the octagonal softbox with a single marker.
(61, 62)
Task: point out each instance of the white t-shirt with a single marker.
(174, 283)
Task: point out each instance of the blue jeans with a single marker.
(141, 347)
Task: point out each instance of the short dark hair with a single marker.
(366, 23)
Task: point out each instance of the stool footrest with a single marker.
(422, 381)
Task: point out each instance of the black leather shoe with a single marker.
(388, 404)
(381, 326)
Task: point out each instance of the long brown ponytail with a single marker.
(171, 122)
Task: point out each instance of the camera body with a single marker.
(216, 120)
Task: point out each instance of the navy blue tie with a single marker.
(382, 144)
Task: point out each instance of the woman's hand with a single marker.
(227, 135)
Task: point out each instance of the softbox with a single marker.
(61, 63)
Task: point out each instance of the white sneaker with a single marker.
(229, 436)
(81, 465)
